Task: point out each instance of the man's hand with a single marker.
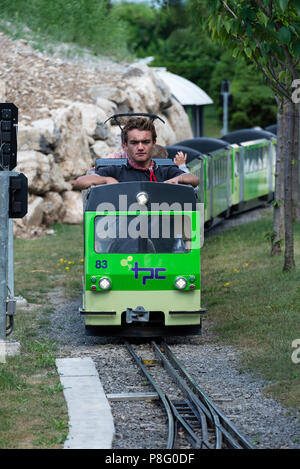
(175, 180)
(110, 180)
(185, 178)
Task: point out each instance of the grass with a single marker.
(32, 401)
(33, 411)
(48, 263)
(254, 304)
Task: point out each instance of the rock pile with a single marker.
(62, 110)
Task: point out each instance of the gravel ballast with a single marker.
(215, 367)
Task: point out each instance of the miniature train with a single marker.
(142, 240)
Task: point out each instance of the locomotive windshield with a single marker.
(142, 233)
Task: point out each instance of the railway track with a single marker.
(203, 423)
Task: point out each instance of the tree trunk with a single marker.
(278, 204)
(296, 187)
(289, 115)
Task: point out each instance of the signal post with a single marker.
(4, 204)
(13, 204)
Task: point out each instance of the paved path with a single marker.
(90, 419)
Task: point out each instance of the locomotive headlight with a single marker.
(142, 198)
(180, 283)
(104, 283)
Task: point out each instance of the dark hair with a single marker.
(158, 151)
(139, 123)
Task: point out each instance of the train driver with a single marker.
(139, 137)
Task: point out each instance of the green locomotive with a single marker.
(142, 259)
(142, 240)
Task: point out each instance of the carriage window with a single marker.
(265, 156)
(219, 171)
(237, 164)
(256, 159)
(143, 233)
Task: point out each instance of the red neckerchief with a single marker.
(141, 168)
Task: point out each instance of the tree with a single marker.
(170, 34)
(141, 21)
(267, 33)
(189, 53)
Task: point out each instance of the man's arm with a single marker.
(186, 178)
(84, 182)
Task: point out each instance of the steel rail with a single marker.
(191, 435)
(231, 434)
(161, 395)
(203, 412)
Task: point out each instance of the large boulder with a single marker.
(2, 91)
(34, 216)
(152, 91)
(53, 208)
(100, 149)
(108, 106)
(72, 152)
(42, 172)
(73, 207)
(165, 133)
(41, 135)
(110, 93)
(31, 225)
(178, 121)
(92, 118)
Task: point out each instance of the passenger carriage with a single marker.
(236, 172)
(215, 173)
(253, 156)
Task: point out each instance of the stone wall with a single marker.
(64, 142)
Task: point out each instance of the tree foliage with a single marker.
(253, 101)
(172, 34)
(267, 33)
(141, 24)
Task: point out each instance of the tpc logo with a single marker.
(154, 273)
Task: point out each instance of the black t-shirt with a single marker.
(126, 173)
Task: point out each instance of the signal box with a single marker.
(18, 196)
(8, 136)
